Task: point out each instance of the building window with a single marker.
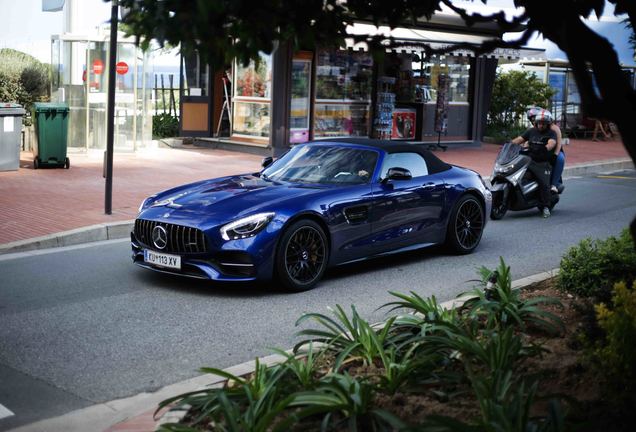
(252, 97)
(458, 70)
(343, 93)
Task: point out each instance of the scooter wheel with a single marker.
(499, 211)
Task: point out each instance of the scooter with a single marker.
(513, 186)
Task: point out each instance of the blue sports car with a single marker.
(321, 204)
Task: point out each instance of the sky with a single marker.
(23, 26)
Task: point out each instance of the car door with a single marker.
(406, 212)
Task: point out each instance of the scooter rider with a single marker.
(557, 157)
(541, 141)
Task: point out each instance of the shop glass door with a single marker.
(300, 101)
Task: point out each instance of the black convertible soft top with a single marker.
(433, 163)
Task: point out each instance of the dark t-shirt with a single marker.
(538, 141)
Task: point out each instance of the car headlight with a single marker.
(145, 203)
(246, 227)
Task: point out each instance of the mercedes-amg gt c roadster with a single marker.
(321, 204)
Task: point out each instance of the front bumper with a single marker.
(236, 261)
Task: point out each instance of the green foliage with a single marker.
(241, 405)
(353, 337)
(23, 79)
(304, 367)
(616, 353)
(513, 93)
(512, 413)
(348, 397)
(427, 308)
(165, 126)
(500, 306)
(254, 27)
(504, 133)
(478, 348)
(591, 268)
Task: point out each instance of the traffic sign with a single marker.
(122, 68)
(98, 66)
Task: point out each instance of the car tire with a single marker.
(302, 256)
(465, 225)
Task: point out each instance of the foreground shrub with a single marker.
(591, 268)
(616, 352)
(500, 305)
(512, 94)
(165, 126)
(471, 357)
(23, 79)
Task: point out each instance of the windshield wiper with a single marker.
(264, 177)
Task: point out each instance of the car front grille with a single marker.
(181, 239)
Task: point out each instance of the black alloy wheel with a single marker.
(466, 225)
(302, 257)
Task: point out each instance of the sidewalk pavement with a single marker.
(57, 207)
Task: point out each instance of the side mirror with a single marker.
(267, 161)
(398, 174)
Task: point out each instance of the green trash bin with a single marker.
(51, 131)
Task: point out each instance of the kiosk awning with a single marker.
(414, 40)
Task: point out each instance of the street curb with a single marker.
(122, 229)
(92, 233)
(109, 414)
(598, 167)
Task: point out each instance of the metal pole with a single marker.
(110, 113)
(87, 89)
(135, 95)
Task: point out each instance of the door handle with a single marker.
(428, 186)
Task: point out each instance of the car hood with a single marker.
(222, 199)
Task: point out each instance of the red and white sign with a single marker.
(403, 123)
(122, 68)
(98, 66)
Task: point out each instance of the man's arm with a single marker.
(518, 140)
(559, 138)
(551, 144)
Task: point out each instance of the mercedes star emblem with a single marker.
(159, 237)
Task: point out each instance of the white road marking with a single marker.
(4, 412)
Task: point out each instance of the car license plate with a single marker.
(162, 260)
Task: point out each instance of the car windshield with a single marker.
(324, 164)
(508, 152)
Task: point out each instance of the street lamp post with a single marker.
(110, 114)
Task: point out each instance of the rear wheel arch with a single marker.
(473, 193)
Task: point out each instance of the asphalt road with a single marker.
(83, 325)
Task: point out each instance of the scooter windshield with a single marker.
(508, 152)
